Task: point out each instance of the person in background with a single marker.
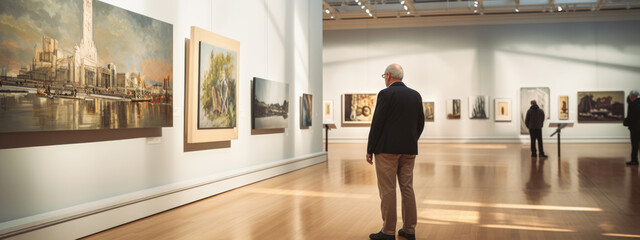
(632, 121)
(398, 121)
(534, 122)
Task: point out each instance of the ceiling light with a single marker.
(367, 10)
(331, 16)
(359, 3)
(327, 11)
(517, 10)
(408, 12)
(370, 15)
(559, 9)
(402, 2)
(356, 0)
(475, 11)
(361, 7)
(405, 7)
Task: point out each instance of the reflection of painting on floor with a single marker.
(428, 108)
(601, 106)
(541, 95)
(358, 108)
(453, 109)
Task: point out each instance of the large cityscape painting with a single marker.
(601, 106)
(81, 65)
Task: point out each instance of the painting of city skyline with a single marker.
(601, 106)
(270, 105)
(83, 64)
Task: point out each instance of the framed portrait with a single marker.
(453, 108)
(357, 108)
(502, 109)
(270, 104)
(305, 110)
(541, 95)
(327, 111)
(563, 107)
(428, 108)
(479, 107)
(81, 65)
(601, 107)
(212, 88)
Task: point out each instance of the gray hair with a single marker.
(395, 71)
(634, 93)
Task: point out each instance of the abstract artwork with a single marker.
(479, 107)
(503, 109)
(541, 95)
(606, 106)
(563, 107)
(327, 107)
(358, 108)
(305, 110)
(453, 109)
(83, 65)
(211, 88)
(270, 104)
(428, 107)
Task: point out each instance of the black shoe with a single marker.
(544, 156)
(632, 163)
(403, 234)
(534, 155)
(381, 236)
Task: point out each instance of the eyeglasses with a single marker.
(384, 75)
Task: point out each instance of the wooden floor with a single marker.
(463, 191)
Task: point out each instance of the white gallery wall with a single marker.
(78, 189)
(456, 62)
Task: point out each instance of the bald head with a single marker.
(393, 73)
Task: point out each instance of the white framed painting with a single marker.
(503, 109)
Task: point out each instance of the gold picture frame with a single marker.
(194, 133)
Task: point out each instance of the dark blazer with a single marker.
(397, 121)
(535, 118)
(633, 115)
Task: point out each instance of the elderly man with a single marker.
(534, 122)
(398, 121)
(633, 122)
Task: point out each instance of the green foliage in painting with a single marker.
(219, 90)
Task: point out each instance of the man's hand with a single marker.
(370, 158)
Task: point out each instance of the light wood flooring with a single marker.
(463, 191)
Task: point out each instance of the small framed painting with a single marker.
(479, 107)
(453, 108)
(428, 108)
(563, 107)
(327, 110)
(503, 109)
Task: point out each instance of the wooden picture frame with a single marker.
(195, 134)
(563, 107)
(502, 109)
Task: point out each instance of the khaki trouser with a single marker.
(387, 167)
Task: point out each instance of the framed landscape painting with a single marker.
(428, 108)
(327, 110)
(453, 108)
(479, 107)
(83, 65)
(603, 107)
(563, 107)
(541, 95)
(357, 108)
(305, 110)
(270, 104)
(503, 109)
(211, 88)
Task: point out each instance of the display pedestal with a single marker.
(327, 126)
(559, 126)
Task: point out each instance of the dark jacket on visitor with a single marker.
(535, 118)
(397, 121)
(633, 115)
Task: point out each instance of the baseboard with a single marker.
(523, 139)
(86, 219)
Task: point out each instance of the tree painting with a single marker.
(217, 87)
